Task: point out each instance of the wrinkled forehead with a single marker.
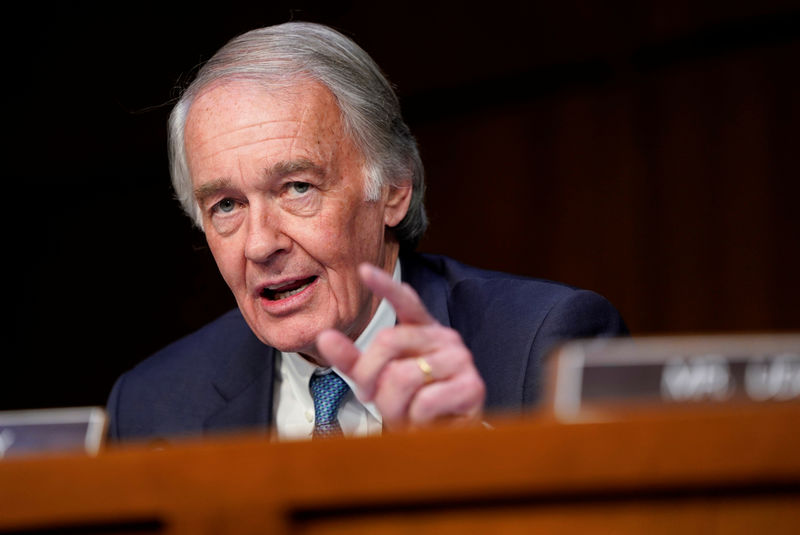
(226, 108)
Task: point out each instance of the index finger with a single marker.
(407, 304)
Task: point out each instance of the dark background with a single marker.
(645, 150)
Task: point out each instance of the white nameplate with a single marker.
(41, 431)
(678, 370)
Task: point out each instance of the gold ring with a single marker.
(426, 369)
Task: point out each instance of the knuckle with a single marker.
(385, 338)
(454, 336)
(400, 371)
(475, 380)
(459, 360)
(424, 405)
(473, 385)
(462, 358)
(480, 390)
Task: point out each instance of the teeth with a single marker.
(283, 295)
(283, 290)
(275, 287)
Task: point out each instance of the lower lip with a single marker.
(289, 304)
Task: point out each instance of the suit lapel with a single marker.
(245, 386)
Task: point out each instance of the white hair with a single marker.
(279, 56)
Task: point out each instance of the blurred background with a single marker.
(645, 150)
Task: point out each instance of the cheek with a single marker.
(368, 229)
(337, 232)
(228, 261)
(328, 231)
(359, 239)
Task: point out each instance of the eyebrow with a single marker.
(279, 170)
(210, 189)
(286, 168)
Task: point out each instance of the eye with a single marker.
(301, 198)
(299, 187)
(225, 206)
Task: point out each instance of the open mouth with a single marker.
(282, 291)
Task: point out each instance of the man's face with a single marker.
(281, 189)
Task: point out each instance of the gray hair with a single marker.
(278, 56)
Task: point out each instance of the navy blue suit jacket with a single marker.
(221, 377)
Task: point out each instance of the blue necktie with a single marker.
(327, 391)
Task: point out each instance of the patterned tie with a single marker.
(327, 391)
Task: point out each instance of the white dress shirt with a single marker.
(293, 407)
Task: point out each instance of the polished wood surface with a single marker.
(720, 469)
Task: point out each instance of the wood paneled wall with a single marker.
(647, 151)
(672, 191)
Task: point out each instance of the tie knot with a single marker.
(327, 391)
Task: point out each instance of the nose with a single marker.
(265, 236)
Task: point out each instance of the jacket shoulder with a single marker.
(510, 322)
(174, 390)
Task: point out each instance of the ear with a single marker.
(397, 202)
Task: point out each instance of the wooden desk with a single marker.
(714, 470)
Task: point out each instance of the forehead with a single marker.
(232, 113)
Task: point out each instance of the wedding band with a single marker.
(426, 369)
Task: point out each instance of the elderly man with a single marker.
(289, 151)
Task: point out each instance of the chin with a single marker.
(291, 345)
